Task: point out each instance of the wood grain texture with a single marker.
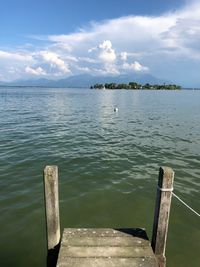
(52, 206)
(162, 211)
(105, 248)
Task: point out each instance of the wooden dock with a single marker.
(107, 247)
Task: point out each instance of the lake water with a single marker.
(108, 165)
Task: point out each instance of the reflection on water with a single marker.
(108, 164)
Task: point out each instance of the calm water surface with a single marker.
(108, 165)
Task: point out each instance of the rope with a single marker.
(185, 204)
(165, 189)
(195, 212)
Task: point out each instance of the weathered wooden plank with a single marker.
(126, 232)
(106, 251)
(162, 211)
(105, 248)
(107, 262)
(116, 241)
(52, 206)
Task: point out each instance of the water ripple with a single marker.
(105, 159)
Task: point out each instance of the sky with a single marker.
(55, 39)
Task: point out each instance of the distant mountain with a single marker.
(86, 80)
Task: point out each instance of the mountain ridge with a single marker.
(87, 80)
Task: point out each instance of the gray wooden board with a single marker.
(105, 248)
(106, 262)
(117, 241)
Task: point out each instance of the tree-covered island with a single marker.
(136, 86)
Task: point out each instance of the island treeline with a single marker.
(136, 86)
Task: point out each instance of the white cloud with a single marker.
(90, 50)
(106, 45)
(124, 56)
(174, 33)
(61, 47)
(135, 66)
(165, 45)
(103, 58)
(55, 60)
(130, 33)
(84, 69)
(111, 69)
(108, 56)
(107, 53)
(15, 56)
(37, 71)
(71, 38)
(13, 63)
(70, 58)
(87, 59)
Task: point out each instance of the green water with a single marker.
(108, 165)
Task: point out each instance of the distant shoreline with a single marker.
(136, 86)
(66, 87)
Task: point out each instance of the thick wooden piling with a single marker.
(161, 215)
(52, 206)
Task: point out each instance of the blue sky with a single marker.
(56, 39)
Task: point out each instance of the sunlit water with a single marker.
(108, 165)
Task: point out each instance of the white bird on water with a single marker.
(115, 109)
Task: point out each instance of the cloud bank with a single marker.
(165, 46)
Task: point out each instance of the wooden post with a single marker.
(52, 206)
(161, 215)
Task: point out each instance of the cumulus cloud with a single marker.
(50, 64)
(103, 58)
(133, 33)
(108, 56)
(55, 60)
(135, 66)
(107, 53)
(174, 33)
(40, 63)
(13, 63)
(37, 71)
(164, 45)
